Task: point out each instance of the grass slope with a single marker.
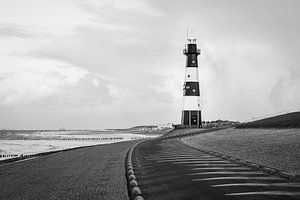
(276, 148)
(290, 120)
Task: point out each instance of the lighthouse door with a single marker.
(194, 118)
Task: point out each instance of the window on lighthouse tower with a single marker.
(194, 57)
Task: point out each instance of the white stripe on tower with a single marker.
(191, 113)
(191, 74)
(191, 103)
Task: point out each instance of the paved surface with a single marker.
(168, 169)
(88, 173)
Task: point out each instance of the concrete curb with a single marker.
(272, 171)
(134, 192)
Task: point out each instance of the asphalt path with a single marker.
(96, 172)
(168, 169)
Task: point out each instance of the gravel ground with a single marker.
(276, 148)
(96, 172)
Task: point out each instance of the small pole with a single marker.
(187, 33)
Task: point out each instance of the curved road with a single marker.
(96, 172)
(167, 169)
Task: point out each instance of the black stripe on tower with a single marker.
(191, 118)
(191, 89)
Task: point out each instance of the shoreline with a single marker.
(30, 156)
(24, 144)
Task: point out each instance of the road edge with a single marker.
(134, 192)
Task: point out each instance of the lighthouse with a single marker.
(191, 112)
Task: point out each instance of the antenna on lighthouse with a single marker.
(189, 37)
(187, 33)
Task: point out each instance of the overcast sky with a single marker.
(118, 63)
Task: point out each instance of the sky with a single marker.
(92, 64)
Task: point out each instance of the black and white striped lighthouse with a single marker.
(191, 113)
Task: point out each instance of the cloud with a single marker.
(13, 30)
(6, 75)
(285, 93)
(46, 19)
(254, 75)
(88, 92)
(123, 8)
(40, 83)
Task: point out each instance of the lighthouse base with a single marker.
(191, 119)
